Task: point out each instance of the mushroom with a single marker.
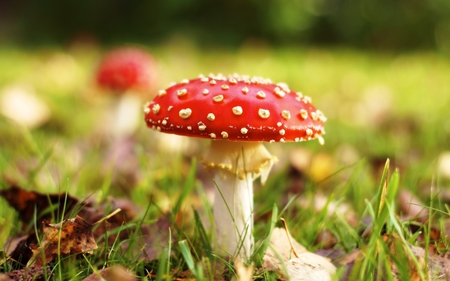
(127, 73)
(237, 113)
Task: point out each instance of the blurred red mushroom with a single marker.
(237, 113)
(128, 73)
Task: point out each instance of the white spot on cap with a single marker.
(156, 107)
(261, 95)
(204, 79)
(189, 128)
(283, 86)
(307, 99)
(212, 82)
(286, 114)
(245, 90)
(201, 126)
(211, 116)
(297, 139)
(244, 131)
(304, 114)
(282, 132)
(218, 98)
(279, 92)
(181, 92)
(164, 122)
(279, 124)
(170, 108)
(233, 81)
(225, 87)
(314, 116)
(146, 110)
(321, 140)
(263, 113)
(282, 140)
(309, 132)
(224, 135)
(205, 91)
(237, 110)
(212, 135)
(185, 81)
(185, 113)
(162, 93)
(321, 116)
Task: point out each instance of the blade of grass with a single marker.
(189, 184)
(204, 239)
(260, 250)
(164, 261)
(197, 271)
(382, 190)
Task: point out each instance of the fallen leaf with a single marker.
(439, 264)
(70, 237)
(18, 249)
(35, 273)
(415, 264)
(114, 273)
(27, 203)
(292, 259)
(309, 267)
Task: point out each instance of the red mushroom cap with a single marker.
(126, 68)
(235, 108)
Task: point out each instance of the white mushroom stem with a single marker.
(233, 215)
(126, 114)
(237, 165)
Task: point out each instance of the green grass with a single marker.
(411, 128)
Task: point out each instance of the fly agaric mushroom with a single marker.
(127, 73)
(237, 113)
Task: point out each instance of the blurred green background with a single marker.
(373, 24)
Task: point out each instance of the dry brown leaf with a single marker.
(35, 273)
(295, 261)
(70, 237)
(439, 264)
(415, 264)
(115, 273)
(18, 249)
(28, 202)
